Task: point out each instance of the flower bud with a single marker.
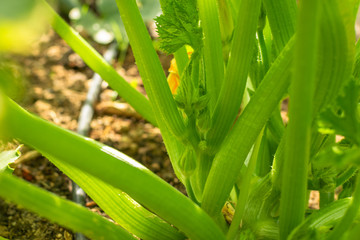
(187, 162)
(203, 121)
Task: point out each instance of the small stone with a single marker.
(68, 235)
(75, 61)
(155, 167)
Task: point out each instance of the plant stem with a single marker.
(199, 178)
(114, 168)
(182, 59)
(96, 62)
(326, 198)
(86, 115)
(264, 52)
(150, 69)
(226, 25)
(239, 141)
(325, 217)
(282, 17)
(349, 216)
(297, 149)
(60, 210)
(231, 94)
(213, 57)
(345, 176)
(190, 191)
(244, 190)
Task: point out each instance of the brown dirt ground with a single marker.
(56, 86)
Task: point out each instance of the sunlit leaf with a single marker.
(343, 118)
(8, 157)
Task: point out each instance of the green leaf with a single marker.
(343, 119)
(349, 216)
(61, 211)
(321, 221)
(151, 71)
(120, 207)
(97, 63)
(336, 52)
(114, 168)
(7, 157)
(338, 156)
(179, 26)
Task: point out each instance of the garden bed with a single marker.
(56, 84)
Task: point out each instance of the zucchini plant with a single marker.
(247, 174)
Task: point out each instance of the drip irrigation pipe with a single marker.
(86, 115)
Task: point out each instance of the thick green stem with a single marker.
(150, 69)
(349, 216)
(114, 168)
(282, 17)
(119, 206)
(182, 59)
(226, 26)
(345, 176)
(190, 191)
(97, 63)
(264, 52)
(325, 218)
(238, 143)
(213, 57)
(64, 212)
(199, 178)
(244, 190)
(228, 104)
(297, 148)
(326, 198)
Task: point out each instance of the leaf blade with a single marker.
(59, 210)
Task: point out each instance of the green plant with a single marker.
(245, 56)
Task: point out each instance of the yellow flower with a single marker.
(174, 78)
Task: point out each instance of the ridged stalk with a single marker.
(61, 211)
(213, 57)
(297, 148)
(99, 65)
(244, 190)
(238, 143)
(326, 217)
(232, 91)
(113, 168)
(150, 69)
(226, 26)
(336, 54)
(282, 18)
(349, 216)
(182, 59)
(119, 206)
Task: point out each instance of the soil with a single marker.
(56, 85)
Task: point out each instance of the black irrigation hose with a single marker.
(86, 115)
